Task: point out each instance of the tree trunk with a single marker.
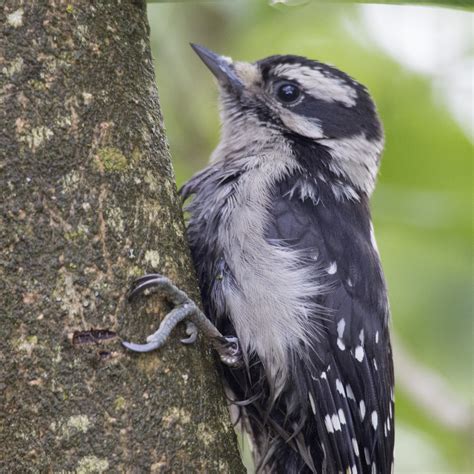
(89, 203)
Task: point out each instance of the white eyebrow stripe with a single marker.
(321, 86)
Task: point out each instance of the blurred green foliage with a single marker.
(423, 203)
(450, 3)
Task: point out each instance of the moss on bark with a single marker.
(88, 202)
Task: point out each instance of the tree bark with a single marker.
(88, 203)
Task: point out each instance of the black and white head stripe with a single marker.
(297, 98)
(341, 105)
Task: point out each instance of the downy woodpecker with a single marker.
(288, 267)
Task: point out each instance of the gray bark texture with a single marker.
(88, 203)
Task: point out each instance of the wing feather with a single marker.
(350, 369)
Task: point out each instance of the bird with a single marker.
(282, 240)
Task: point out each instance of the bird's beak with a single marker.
(220, 66)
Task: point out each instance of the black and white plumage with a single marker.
(281, 236)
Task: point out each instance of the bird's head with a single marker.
(301, 103)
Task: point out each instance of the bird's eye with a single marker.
(288, 92)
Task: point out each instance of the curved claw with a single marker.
(148, 276)
(192, 332)
(150, 346)
(142, 286)
(189, 340)
(229, 351)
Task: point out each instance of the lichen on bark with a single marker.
(88, 202)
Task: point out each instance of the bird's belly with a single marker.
(270, 298)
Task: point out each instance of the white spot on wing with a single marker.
(336, 422)
(328, 423)
(377, 337)
(332, 269)
(375, 419)
(340, 387)
(355, 445)
(350, 393)
(367, 456)
(342, 418)
(359, 353)
(362, 409)
(341, 325)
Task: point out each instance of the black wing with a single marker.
(346, 383)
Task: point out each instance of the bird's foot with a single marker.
(229, 351)
(228, 348)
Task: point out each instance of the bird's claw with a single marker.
(229, 351)
(192, 332)
(228, 348)
(140, 285)
(148, 347)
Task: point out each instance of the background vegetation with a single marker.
(422, 206)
